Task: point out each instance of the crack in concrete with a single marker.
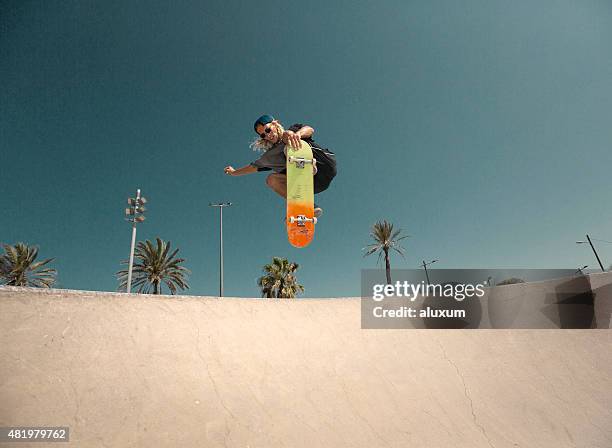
(467, 395)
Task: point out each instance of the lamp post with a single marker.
(220, 205)
(425, 267)
(135, 215)
(594, 251)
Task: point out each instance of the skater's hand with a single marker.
(292, 139)
(248, 169)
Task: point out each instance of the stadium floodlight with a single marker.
(136, 210)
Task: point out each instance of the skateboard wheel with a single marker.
(314, 220)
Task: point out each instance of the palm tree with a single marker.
(279, 280)
(154, 267)
(385, 239)
(17, 267)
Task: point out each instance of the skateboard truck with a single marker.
(300, 162)
(301, 220)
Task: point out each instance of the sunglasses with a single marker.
(266, 131)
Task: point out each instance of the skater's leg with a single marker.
(278, 183)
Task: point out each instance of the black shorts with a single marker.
(326, 169)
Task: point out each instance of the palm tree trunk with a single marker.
(388, 267)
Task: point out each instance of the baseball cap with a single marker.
(263, 120)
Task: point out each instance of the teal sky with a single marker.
(481, 128)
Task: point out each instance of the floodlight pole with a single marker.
(136, 210)
(220, 205)
(129, 281)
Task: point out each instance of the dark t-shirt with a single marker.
(274, 158)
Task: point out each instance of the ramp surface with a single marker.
(142, 371)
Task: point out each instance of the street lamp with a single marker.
(579, 271)
(220, 205)
(134, 215)
(594, 251)
(425, 267)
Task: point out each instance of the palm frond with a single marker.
(18, 267)
(385, 239)
(279, 280)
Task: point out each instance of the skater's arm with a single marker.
(230, 171)
(293, 137)
(305, 132)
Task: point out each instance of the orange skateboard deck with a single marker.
(300, 195)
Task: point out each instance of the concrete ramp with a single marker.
(144, 371)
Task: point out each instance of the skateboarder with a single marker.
(272, 140)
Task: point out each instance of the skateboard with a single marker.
(301, 221)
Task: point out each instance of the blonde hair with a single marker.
(260, 144)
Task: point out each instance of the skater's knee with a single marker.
(270, 180)
(273, 180)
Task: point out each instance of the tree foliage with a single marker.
(154, 266)
(18, 267)
(279, 280)
(385, 241)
